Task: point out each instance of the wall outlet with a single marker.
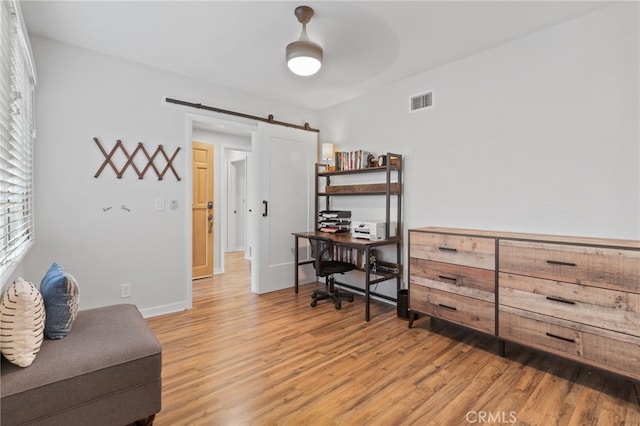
(125, 290)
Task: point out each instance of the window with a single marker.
(17, 82)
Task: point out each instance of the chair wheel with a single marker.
(314, 303)
(338, 305)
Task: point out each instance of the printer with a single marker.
(371, 230)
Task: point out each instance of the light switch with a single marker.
(159, 204)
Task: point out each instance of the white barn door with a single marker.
(286, 160)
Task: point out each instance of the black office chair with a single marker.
(326, 266)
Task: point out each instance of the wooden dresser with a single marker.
(571, 296)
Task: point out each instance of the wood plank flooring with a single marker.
(238, 358)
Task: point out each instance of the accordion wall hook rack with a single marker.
(139, 149)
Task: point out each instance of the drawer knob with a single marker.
(453, 250)
(444, 277)
(561, 300)
(557, 262)
(565, 339)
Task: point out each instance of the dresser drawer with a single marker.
(598, 307)
(463, 280)
(457, 249)
(473, 313)
(616, 269)
(605, 349)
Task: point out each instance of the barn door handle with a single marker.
(266, 208)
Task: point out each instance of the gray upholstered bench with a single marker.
(107, 371)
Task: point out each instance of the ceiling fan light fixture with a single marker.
(304, 57)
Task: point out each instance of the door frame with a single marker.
(248, 128)
(241, 126)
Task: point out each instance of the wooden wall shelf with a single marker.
(362, 189)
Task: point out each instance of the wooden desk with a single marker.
(344, 239)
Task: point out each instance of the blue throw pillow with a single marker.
(60, 294)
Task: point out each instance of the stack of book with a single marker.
(335, 221)
(350, 160)
(350, 255)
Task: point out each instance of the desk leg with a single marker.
(367, 280)
(295, 265)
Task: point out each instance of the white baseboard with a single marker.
(165, 309)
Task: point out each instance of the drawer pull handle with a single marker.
(447, 249)
(561, 300)
(444, 277)
(447, 307)
(566, 339)
(556, 262)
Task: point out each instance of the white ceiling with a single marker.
(239, 44)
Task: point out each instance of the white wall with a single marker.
(538, 135)
(81, 95)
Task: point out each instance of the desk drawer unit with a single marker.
(581, 302)
(453, 277)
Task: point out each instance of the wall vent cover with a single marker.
(421, 101)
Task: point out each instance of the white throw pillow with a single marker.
(22, 318)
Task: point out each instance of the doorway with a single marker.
(279, 197)
(236, 201)
(231, 146)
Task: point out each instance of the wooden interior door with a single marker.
(202, 210)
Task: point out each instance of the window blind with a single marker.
(17, 84)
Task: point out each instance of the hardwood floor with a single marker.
(238, 358)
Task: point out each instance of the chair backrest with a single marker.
(321, 250)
